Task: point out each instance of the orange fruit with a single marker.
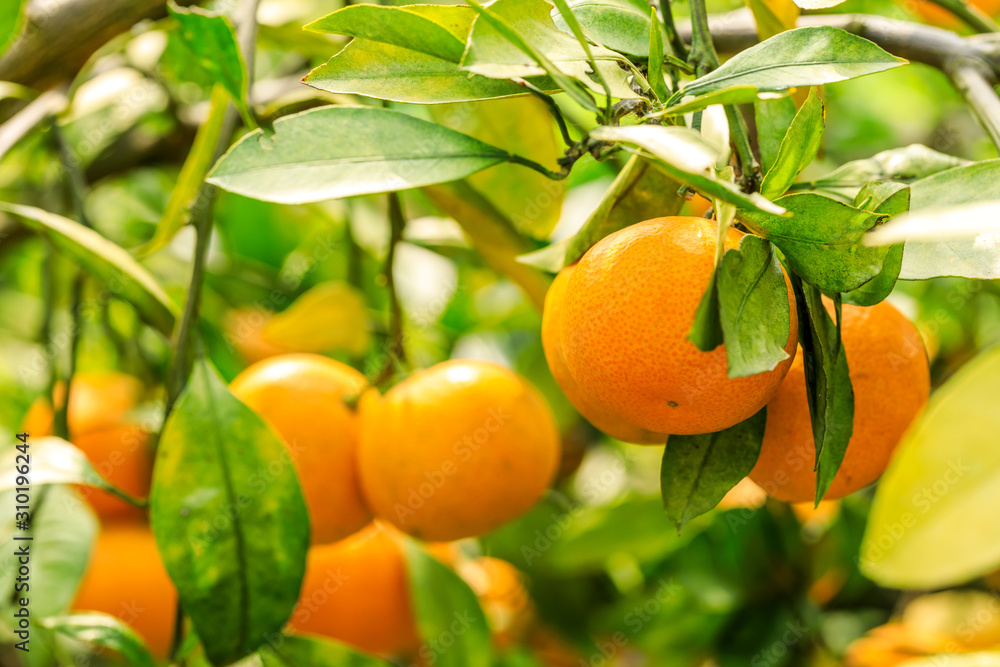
(126, 578)
(302, 397)
(98, 400)
(245, 331)
(891, 380)
(456, 450)
(696, 206)
(593, 411)
(629, 306)
(502, 595)
(942, 18)
(356, 591)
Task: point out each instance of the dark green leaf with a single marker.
(620, 25)
(105, 631)
(773, 118)
(698, 470)
(445, 605)
(889, 198)
(706, 330)
(212, 40)
(387, 72)
(307, 651)
(342, 151)
(822, 241)
(797, 149)
(235, 549)
(434, 30)
(11, 12)
(828, 383)
(753, 307)
(655, 76)
(112, 265)
(808, 56)
(55, 461)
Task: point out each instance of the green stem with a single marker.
(397, 351)
(553, 109)
(750, 176)
(531, 164)
(673, 38)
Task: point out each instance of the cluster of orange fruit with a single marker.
(615, 332)
(451, 452)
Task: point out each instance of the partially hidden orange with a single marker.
(891, 380)
(456, 450)
(629, 306)
(502, 594)
(302, 397)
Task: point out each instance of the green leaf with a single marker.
(641, 191)
(706, 330)
(522, 127)
(109, 263)
(889, 198)
(11, 13)
(898, 164)
(735, 95)
(211, 38)
(828, 383)
(63, 528)
(55, 461)
(929, 525)
(388, 72)
(773, 118)
(312, 651)
(343, 151)
(684, 155)
(438, 31)
(823, 240)
(753, 307)
(442, 602)
(655, 76)
(234, 549)
(797, 149)
(105, 631)
(698, 470)
(808, 56)
(972, 256)
(192, 175)
(620, 25)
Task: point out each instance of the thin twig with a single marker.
(397, 351)
(972, 84)
(552, 107)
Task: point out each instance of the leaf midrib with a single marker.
(361, 160)
(764, 68)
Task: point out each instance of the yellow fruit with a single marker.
(456, 450)
(126, 578)
(891, 381)
(302, 397)
(592, 410)
(629, 306)
(356, 591)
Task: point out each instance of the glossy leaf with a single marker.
(305, 650)
(972, 256)
(773, 118)
(898, 164)
(439, 31)
(234, 548)
(444, 604)
(11, 13)
(330, 316)
(656, 55)
(106, 631)
(823, 240)
(342, 151)
(211, 38)
(753, 307)
(388, 72)
(55, 461)
(523, 127)
(828, 383)
(797, 149)
(735, 95)
(620, 25)
(927, 527)
(640, 191)
(889, 198)
(113, 266)
(808, 56)
(773, 16)
(698, 470)
(686, 157)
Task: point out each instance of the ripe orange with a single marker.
(891, 380)
(696, 206)
(456, 450)
(356, 591)
(593, 411)
(245, 331)
(99, 404)
(942, 18)
(302, 397)
(629, 306)
(126, 578)
(502, 595)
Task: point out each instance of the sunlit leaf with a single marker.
(773, 118)
(797, 149)
(105, 631)
(620, 25)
